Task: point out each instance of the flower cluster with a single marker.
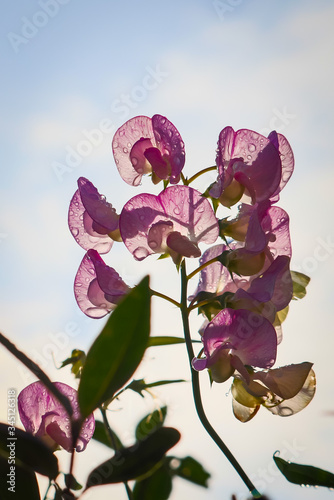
(245, 283)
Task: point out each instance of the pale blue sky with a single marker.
(249, 64)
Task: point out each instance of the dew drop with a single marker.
(125, 150)
(177, 211)
(75, 231)
(134, 161)
(251, 147)
(140, 253)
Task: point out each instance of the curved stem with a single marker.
(203, 266)
(196, 389)
(163, 296)
(204, 171)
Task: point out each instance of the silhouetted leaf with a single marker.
(140, 385)
(135, 461)
(101, 435)
(117, 351)
(304, 474)
(150, 423)
(157, 486)
(30, 451)
(24, 487)
(188, 468)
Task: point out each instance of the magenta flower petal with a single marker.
(143, 145)
(170, 144)
(275, 284)
(249, 158)
(97, 207)
(287, 159)
(246, 334)
(275, 223)
(137, 217)
(91, 218)
(179, 209)
(42, 415)
(97, 287)
(124, 140)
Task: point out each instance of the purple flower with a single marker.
(42, 415)
(97, 287)
(148, 145)
(235, 338)
(247, 162)
(265, 232)
(174, 222)
(287, 159)
(91, 218)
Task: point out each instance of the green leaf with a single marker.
(150, 423)
(117, 351)
(188, 468)
(30, 451)
(157, 486)
(300, 282)
(304, 474)
(139, 459)
(25, 483)
(101, 435)
(166, 340)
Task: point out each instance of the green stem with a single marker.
(203, 266)
(114, 445)
(204, 171)
(47, 491)
(196, 389)
(165, 297)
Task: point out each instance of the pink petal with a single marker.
(287, 159)
(159, 165)
(102, 212)
(275, 223)
(224, 154)
(88, 293)
(108, 279)
(81, 227)
(275, 284)
(250, 336)
(191, 213)
(124, 140)
(170, 144)
(182, 245)
(261, 168)
(137, 217)
(41, 414)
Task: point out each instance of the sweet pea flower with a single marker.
(247, 162)
(91, 219)
(174, 222)
(97, 287)
(265, 232)
(42, 415)
(146, 145)
(283, 391)
(233, 339)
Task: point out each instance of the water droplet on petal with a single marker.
(251, 147)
